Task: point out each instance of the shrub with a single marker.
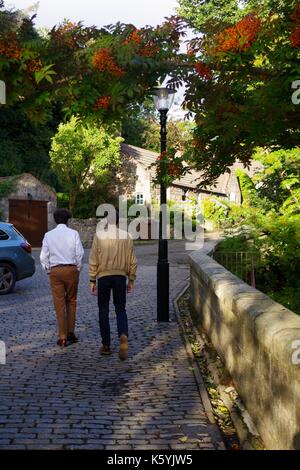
(215, 210)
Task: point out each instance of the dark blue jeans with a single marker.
(118, 285)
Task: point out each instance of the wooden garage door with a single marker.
(30, 218)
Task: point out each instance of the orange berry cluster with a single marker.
(10, 49)
(173, 168)
(66, 35)
(134, 38)
(102, 103)
(295, 35)
(197, 144)
(103, 61)
(162, 156)
(295, 38)
(203, 70)
(190, 52)
(295, 16)
(150, 50)
(146, 50)
(34, 66)
(239, 37)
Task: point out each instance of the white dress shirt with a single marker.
(61, 246)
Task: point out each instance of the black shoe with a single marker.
(62, 343)
(72, 338)
(105, 350)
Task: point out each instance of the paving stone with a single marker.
(12, 447)
(86, 447)
(119, 447)
(37, 446)
(4, 442)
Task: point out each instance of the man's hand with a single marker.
(93, 288)
(130, 287)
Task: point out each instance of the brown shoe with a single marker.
(123, 352)
(72, 338)
(105, 350)
(62, 343)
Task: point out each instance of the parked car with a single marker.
(16, 262)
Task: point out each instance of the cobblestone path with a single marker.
(75, 398)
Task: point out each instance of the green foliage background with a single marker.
(82, 156)
(247, 100)
(268, 223)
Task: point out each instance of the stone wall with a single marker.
(257, 340)
(178, 194)
(132, 179)
(86, 229)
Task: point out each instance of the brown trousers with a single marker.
(64, 285)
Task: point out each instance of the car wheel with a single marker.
(7, 278)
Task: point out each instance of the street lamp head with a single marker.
(163, 98)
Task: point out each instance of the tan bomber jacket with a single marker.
(112, 256)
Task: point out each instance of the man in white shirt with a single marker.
(61, 257)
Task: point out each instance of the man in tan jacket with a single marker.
(111, 261)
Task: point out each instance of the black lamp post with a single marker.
(163, 99)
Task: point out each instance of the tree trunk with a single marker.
(72, 201)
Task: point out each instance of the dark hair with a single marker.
(61, 216)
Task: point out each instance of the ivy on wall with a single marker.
(6, 186)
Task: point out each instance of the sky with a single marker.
(99, 12)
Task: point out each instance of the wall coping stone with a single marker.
(271, 320)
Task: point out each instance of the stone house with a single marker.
(29, 205)
(135, 180)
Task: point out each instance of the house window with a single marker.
(184, 195)
(139, 199)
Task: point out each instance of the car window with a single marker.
(3, 235)
(18, 233)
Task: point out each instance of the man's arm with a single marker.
(79, 251)
(132, 266)
(93, 264)
(45, 255)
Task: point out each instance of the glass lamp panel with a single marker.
(163, 98)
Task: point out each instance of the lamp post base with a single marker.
(162, 291)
